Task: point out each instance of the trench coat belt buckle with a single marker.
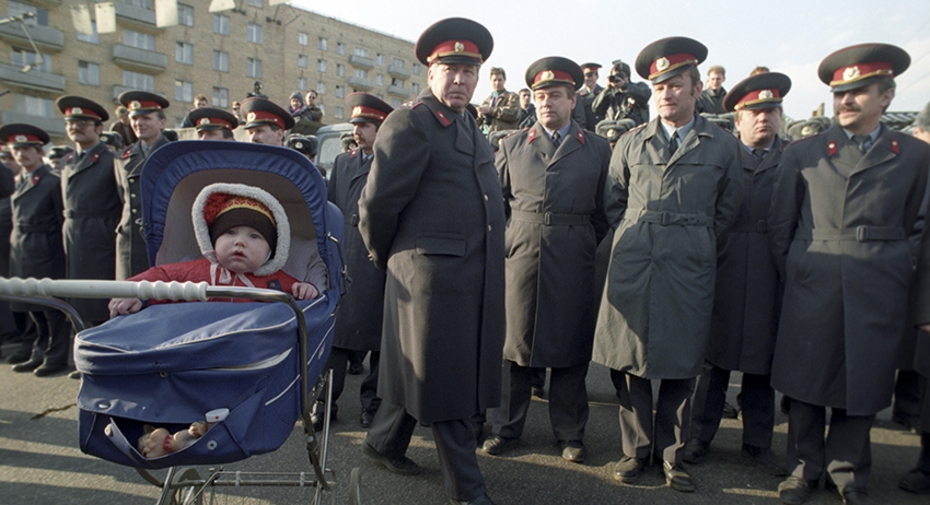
(551, 219)
(861, 233)
(72, 214)
(671, 218)
(352, 220)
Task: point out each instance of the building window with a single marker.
(340, 91)
(321, 65)
(139, 40)
(184, 91)
(302, 83)
(21, 58)
(14, 8)
(415, 88)
(396, 102)
(361, 73)
(340, 70)
(397, 82)
(302, 60)
(88, 73)
(255, 33)
(185, 15)
(397, 62)
(320, 88)
(221, 24)
(379, 79)
(93, 38)
(257, 3)
(145, 4)
(416, 69)
(341, 48)
(220, 61)
(184, 53)
(220, 97)
(338, 113)
(253, 67)
(359, 51)
(323, 43)
(138, 80)
(303, 39)
(380, 59)
(34, 106)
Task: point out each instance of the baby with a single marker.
(157, 442)
(244, 235)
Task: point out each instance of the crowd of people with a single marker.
(491, 246)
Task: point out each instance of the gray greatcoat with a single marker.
(131, 256)
(92, 211)
(361, 309)
(747, 293)
(433, 215)
(654, 319)
(550, 266)
(840, 226)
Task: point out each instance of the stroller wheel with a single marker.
(355, 490)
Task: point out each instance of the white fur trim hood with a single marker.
(202, 232)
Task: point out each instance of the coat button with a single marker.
(134, 211)
(485, 197)
(489, 227)
(132, 195)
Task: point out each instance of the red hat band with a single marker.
(852, 73)
(456, 48)
(23, 138)
(260, 116)
(214, 121)
(368, 113)
(143, 105)
(553, 77)
(671, 62)
(758, 96)
(81, 112)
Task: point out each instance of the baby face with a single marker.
(241, 249)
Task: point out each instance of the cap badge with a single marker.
(205, 120)
(851, 73)
(357, 111)
(611, 133)
(20, 138)
(77, 110)
(766, 94)
(548, 75)
(662, 63)
(250, 117)
(459, 47)
(135, 105)
(299, 145)
(806, 130)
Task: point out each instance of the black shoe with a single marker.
(853, 496)
(539, 392)
(19, 357)
(795, 490)
(909, 422)
(27, 366)
(481, 500)
(729, 411)
(355, 369)
(402, 466)
(765, 459)
(628, 470)
(695, 451)
(573, 450)
(46, 369)
(915, 481)
(785, 404)
(496, 445)
(677, 477)
(366, 418)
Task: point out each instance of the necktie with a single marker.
(758, 153)
(556, 138)
(863, 142)
(673, 144)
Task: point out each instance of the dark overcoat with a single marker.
(654, 319)
(35, 244)
(550, 265)
(92, 212)
(747, 293)
(361, 309)
(842, 227)
(131, 256)
(432, 215)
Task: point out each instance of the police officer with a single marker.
(433, 215)
(265, 121)
(552, 177)
(213, 123)
(147, 116)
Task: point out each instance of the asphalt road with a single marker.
(40, 462)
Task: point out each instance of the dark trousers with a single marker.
(663, 435)
(907, 395)
(338, 359)
(757, 400)
(390, 435)
(568, 401)
(53, 339)
(845, 455)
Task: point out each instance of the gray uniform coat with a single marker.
(840, 226)
(433, 215)
(92, 212)
(550, 266)
(654, 319)
(361, 309)
(746, 297)
(131, 256)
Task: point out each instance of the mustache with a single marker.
(849, 108)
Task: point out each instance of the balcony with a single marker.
(46, 39)
(398, 91)
(399, 72)
(135, 15)
(52, 125)
(119, 89)
(139, 59)
(360, 83)
(361, 62)
(34, 79)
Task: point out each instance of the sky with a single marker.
(790, 36)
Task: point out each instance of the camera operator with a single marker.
(623, 99)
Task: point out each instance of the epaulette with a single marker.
(412, 105)
(631, 130)
(515, 132)
(793, 142)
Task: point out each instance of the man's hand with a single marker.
(123, 306)
(484, 110)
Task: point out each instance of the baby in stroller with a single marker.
(243, 233)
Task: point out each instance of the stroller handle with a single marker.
(157, 290)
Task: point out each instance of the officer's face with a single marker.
(83, 131)
(859, 110)
(590, 78)
(147, 127)
(715, 80)
(28, 157)
(364, 135)
(758, 127)
(453, 84)
(554, 106)
(265, 134)
(675, 99)
(211, 135)
(497, 82)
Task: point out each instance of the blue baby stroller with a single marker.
(169, 364)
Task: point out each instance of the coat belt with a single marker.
(668, 218)
(860, 233)
(551, 219)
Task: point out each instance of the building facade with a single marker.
(220, 55)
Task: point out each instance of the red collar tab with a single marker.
(531, 136)
(670, 62)
(831, 148)
(448, 48)
(261, 116)
(214, 121)
(353, 153)
(580, 137)
(759, 96)
(442, 118)
(895, 147)
(81, 112)
(858, 71)
(553, 77)
(368, 113)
